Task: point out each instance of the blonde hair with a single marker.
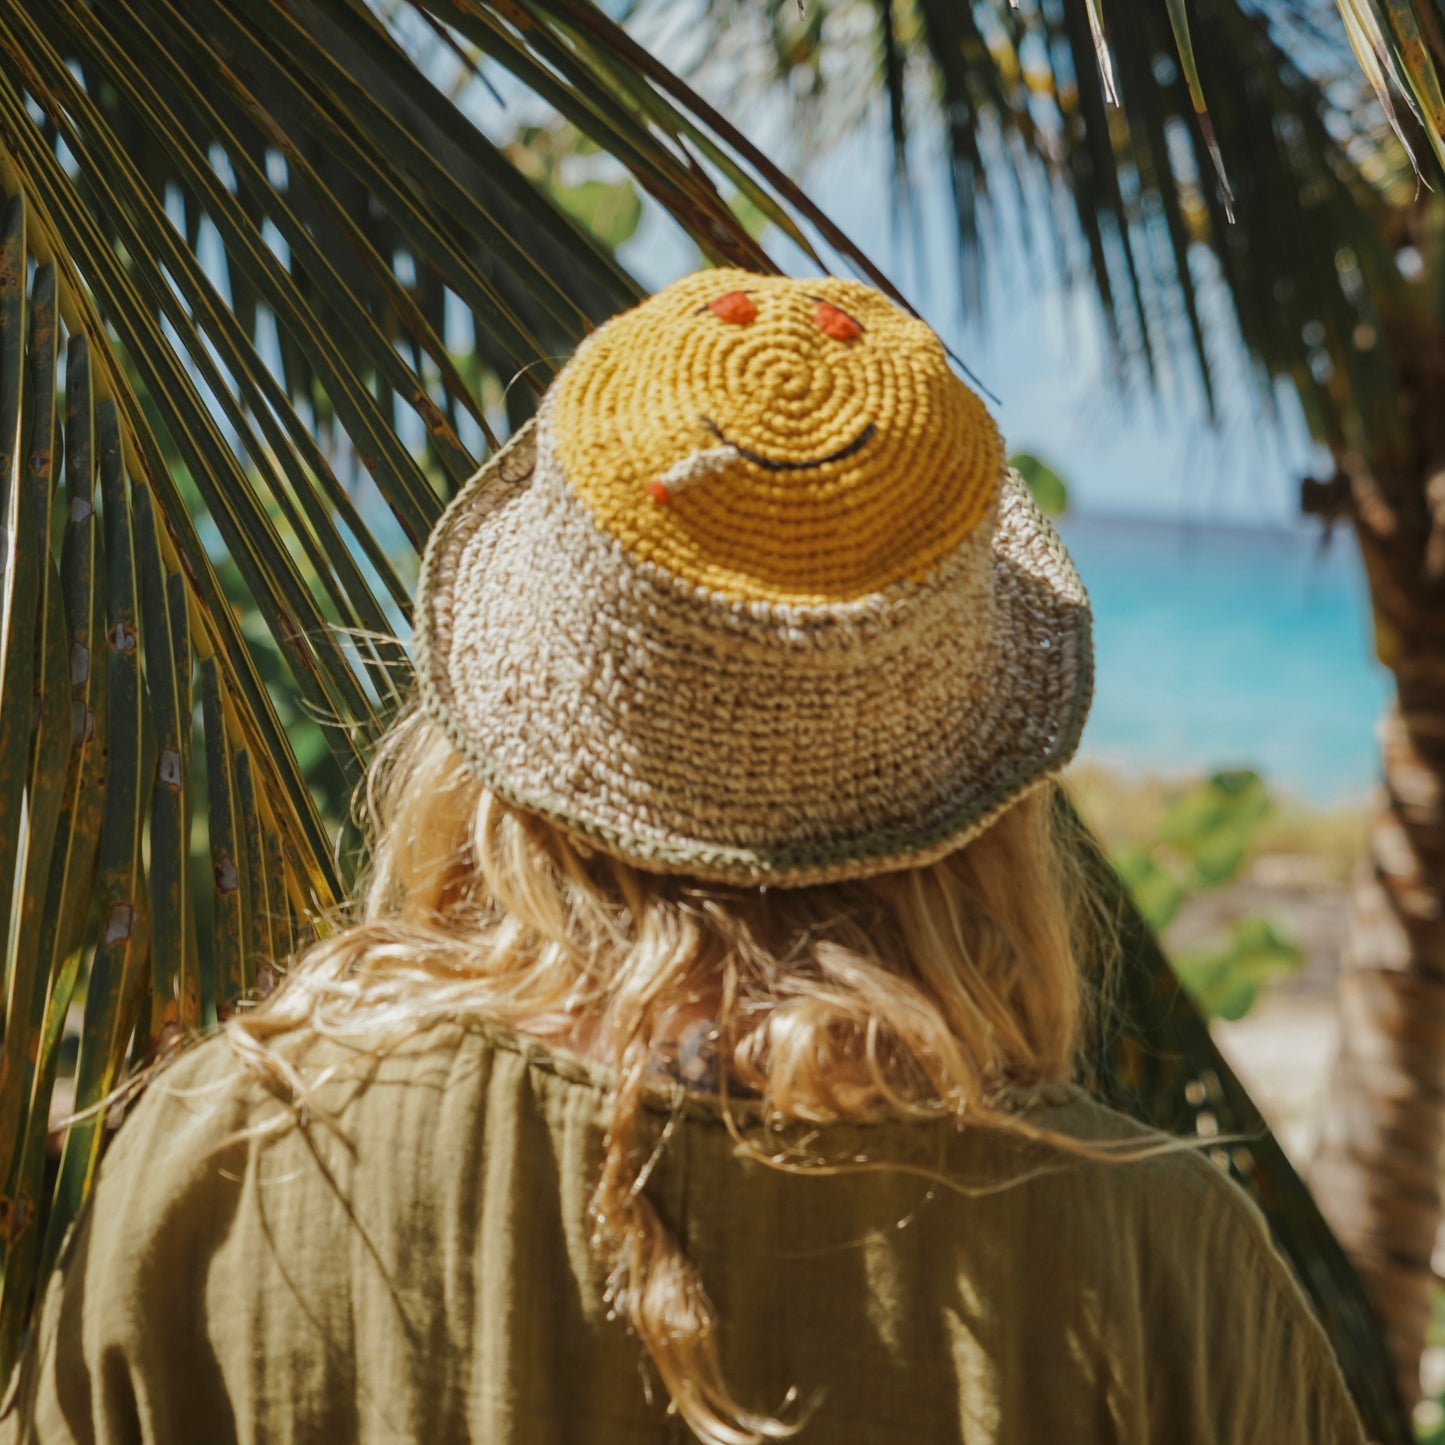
(921, 993)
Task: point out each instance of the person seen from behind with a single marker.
(698, 1060)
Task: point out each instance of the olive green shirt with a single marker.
(421, 1270)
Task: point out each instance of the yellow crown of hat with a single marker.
(776, 440)
(755, 597)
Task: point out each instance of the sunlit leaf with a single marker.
(1225, 982)
(1045, 484)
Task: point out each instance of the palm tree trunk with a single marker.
(1377, 1166)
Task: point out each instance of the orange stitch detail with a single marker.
(835, 323)
(736, 306)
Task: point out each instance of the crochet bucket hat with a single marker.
(755, 597)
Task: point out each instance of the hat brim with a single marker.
(1040, 686)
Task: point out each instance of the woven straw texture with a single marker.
(692, 617)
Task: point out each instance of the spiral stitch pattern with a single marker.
(861, 460)
(697, 682)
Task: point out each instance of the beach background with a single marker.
(1231, 646)
(1236, 647)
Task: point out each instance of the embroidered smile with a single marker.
(773, 465)
(698, 466)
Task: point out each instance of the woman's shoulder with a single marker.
(192, 1097)
(1157, 1224)
(1171, 1204)
(1179, 1183)
(207, 1108)
(232, 1081)
(232, 1097)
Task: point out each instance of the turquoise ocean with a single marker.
(1225, 646)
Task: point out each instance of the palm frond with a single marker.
(248, 252)
(1188, 157)
(1410, 48)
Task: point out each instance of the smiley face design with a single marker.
(773, 440)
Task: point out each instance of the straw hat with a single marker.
(755, 597)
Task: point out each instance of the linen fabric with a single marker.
(420, 1270)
